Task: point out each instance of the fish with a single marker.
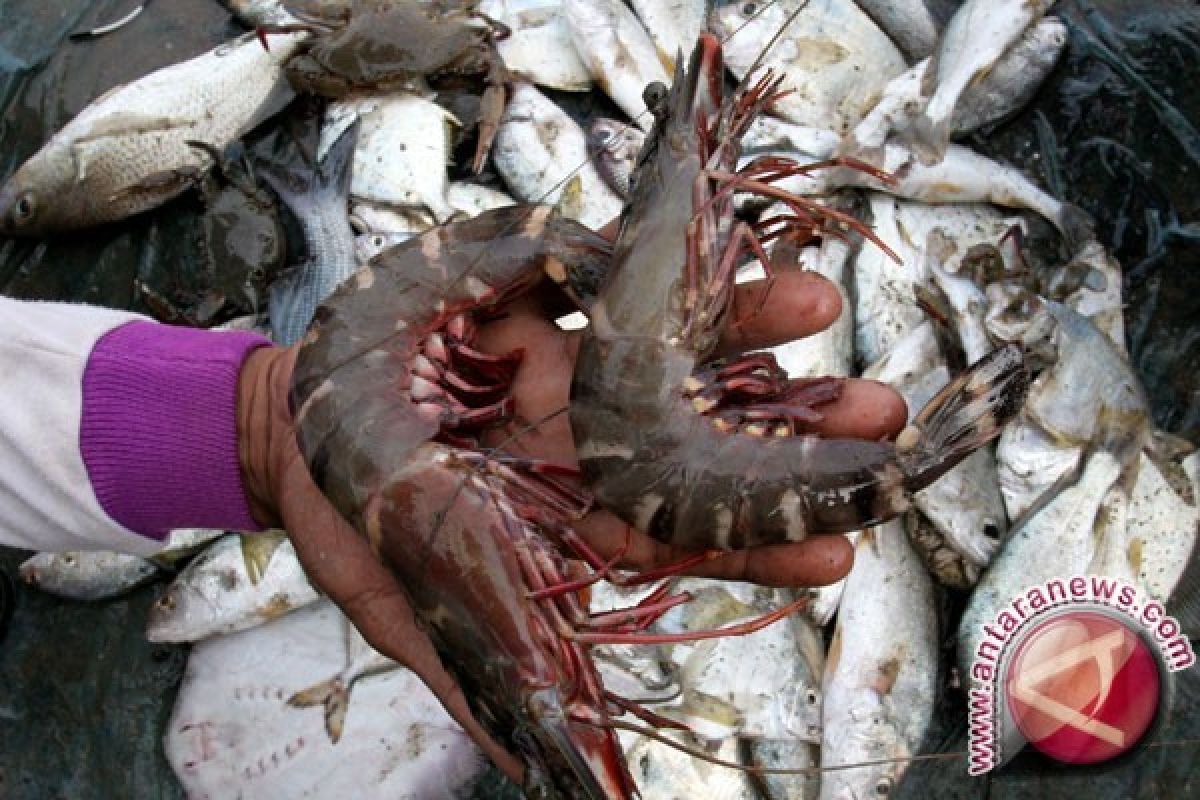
(964, 507)
(615, 146)
(1163, 526)
(792, 754)
(975, 38)
(1054, 539)
(129, 150)
(1000, 93)
(400, 157)
(223, 591)
(664, 773)
(539, 149)
(618, 53)
(1098, 295)
(673, 25)
(881, 670)
(835, 60)
(1087, 398)
(472, 199)
(87, 574)
(909, 23)
(885, 302)
(373, 218)
(318, 200)
(540, 48)
(233, 733)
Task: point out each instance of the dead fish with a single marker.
(539, 149)
(373, 218)
(129, 150)
(472, 199)
(318, 200)
(615, 146)
(791, 754)
(997, 95)
(217, 592)
(618, 53)
(87, 574)
(976, 37)
(233, 734)
(885, 301)
(834, 58)
(1164, 522)
(881, 671)
(664, 773)
(403, 146)
(540, 48)
(674, 26)
(909, 23)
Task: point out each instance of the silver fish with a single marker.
(224, 591)
(373, 218)
(319, 202)
(539, 149)
(881, 671)
(792, 754)
(1088, 397)
(87, 574)
(233, 734)
(664, 773)
(128, 151)
(400, 157)
(909, 23)
(673, 25)
(472, 199)
(835, 59)
(540, 48)
(976, 37)
(884, 292)
(618, 53)
(1000, 93)
(615, 146)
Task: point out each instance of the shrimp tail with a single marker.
(965, 415)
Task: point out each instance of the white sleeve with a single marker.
(46, 499)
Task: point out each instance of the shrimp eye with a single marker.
(653, 95)
(24, 208)
(749, 9)
(883, 787)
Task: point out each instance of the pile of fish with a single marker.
(1079, 483)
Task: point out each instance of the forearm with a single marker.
(115, 429)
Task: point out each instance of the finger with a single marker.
(865, 410)
(792, 305)
(342, 565)
(816, 561)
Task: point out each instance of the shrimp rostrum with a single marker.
(716, 455)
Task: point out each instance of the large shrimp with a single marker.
(717, 457)
(389, 396)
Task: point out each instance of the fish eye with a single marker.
(24, 208)
(883, 787)
(749, 9)
(654, 94)
(991, 530)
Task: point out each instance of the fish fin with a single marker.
(164, 184)
(571, 201)
(283, 297)
(298, 185)
(334, 696)
(927, 138)
(257, 550)
(966, 414)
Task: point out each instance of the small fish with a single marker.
(978, 34)
(792, 754)
(129, 150)
(87, 574)
(539, 149)
(909, 22)
(472, 199)
(664, 773)
(217, 593)
(885, 297)
(997, 95)
(372, 218)
(673, 25)
(400, 157)
(233, 732)
(540, 49)
(881, 671)
(835, 60)
(615, 146)
(318, 200)
(618, 53)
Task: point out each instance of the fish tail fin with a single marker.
(966, 414)
(928, 137)
(334, 696)
(300, 185)
(1076, 226)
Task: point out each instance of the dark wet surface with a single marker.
(83, 697)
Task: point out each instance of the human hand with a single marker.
(341, 563)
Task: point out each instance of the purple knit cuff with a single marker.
(158, 432)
